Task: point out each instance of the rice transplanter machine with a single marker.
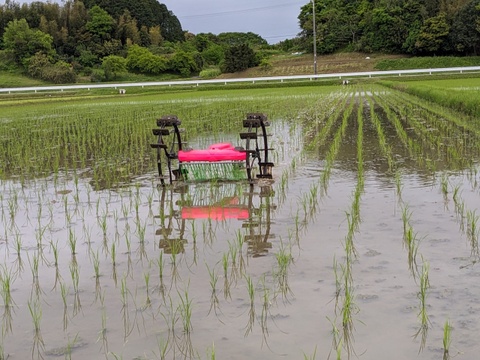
(218, 161)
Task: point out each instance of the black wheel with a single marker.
(169, 143)
(256, 146)
(252, 153)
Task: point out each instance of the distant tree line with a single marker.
(416, 27)
(103, 38)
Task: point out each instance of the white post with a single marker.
(314, 42)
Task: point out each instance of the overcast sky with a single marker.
(274, 20)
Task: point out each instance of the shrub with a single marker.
(7, 60)
(40, 67)
(213, 55)
(265, 64)
(184, 63)
(97, 75)
(60, 73)
(239, 58)
(142, 60)
(210, 73)
(112, 65)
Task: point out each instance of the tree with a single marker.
(147, 13)
(433, 34)
(184, 63)
(100, 23)
(336, 25)
(24, 42)
(127, 29)
(213, 54)
(239, 58)
(112, 65)
(155, 35)
(464, 35)
(142, 60)
(40, 66)
(239, 38)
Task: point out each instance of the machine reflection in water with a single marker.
(218, 202)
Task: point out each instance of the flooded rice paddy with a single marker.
(364, 245)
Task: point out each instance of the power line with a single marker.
(240, 11)
(279, 36)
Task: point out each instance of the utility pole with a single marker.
(314, 42)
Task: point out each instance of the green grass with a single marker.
(15, 78)
(457, 94)
(428, 62)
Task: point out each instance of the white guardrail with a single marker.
(243, 80)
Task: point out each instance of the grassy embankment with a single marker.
(290, 64)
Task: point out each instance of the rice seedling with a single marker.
(350, 250)
(338, 281)
(266, 303)
(185, 310)
(64, 290)
(6, 281)
(412, 247)
(125, 292)
(170, 315)
(103, 224)
(143, 255)
(68, 215)
(334, 148)
(337, 342)
(422, 296)
(17, 243)
(211, 352)
(445, 188)
(72, 242)
(384, 146)
(68, 349)
(233, 251)
(75, 277)
(312, 357)
(348, 309)
(55, 251)
(38, 346)
(39, 235)
(214, 302)
(226, 281)
(455, 196)
(447, 339)
(284, 259)
(141, 229)
(406, 216)
(34, 266)
(175, 249)
(113, 254)
(148, 301)
(13, 206)
(163, 347)
(473, 232)
(460, 213)
(160, 264)
(251, 309)
(102, 334)
(2, 351)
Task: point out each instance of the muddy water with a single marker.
(174, 265)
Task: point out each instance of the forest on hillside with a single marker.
(104, 38)
(416, 27)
